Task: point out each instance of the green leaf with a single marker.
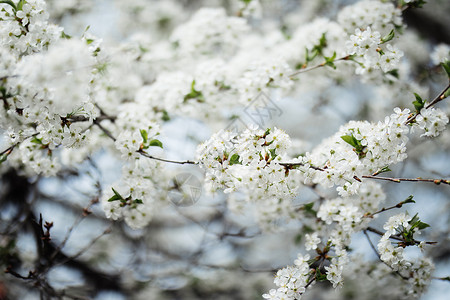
(307, 229)
(394, 73)
(156, 143)
(320, 276)
(414, 219)
(234, 159)
(35, 140)
(165, 116)
(388, 37)
(9, 2)
(3, 158)
(65, 36)
(298, 238)
(138, 201)
(446, 66)
(415, 222)
(416, 3)
(418, 103)
(329, 61)
(144, 135)
(422, 225)
(116, 196)
(20, 4)
(273, 153)
(409, 200)
(350, 139)
(447, 94)
(194, 94)
(308, 208)
(384, 170)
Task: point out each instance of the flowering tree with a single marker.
(156, 166)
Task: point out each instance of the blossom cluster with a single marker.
(292, 280)
(431, 121)
(46, 89)
(250, 162)
(418, 271)
(380, 16)
(366, 45)
(25, 27)
(358, 148)
(391, 255)
(139, 191)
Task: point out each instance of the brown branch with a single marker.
(418, 179)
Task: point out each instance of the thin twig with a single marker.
(304, 70)
(75, 224)
(11, 148)
(185, 162)
(76, 255)
(105, 131)
(418, 179)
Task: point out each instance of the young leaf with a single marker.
(35, 140)
(320, 276)
(309, 209)
(234, 159)
(156, 143)
(144, 135)
(20, 4)
(165, 116)
(329, 61)
(414, 219)
(65, 36)
(350, 139)
(194, 94)
(384, 170)
(388, 37)
(421, 225)
(273, 153)
(409, 200)
(446, 66)
(418, 103)
(115, 197)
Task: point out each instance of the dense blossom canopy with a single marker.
(67, 99)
